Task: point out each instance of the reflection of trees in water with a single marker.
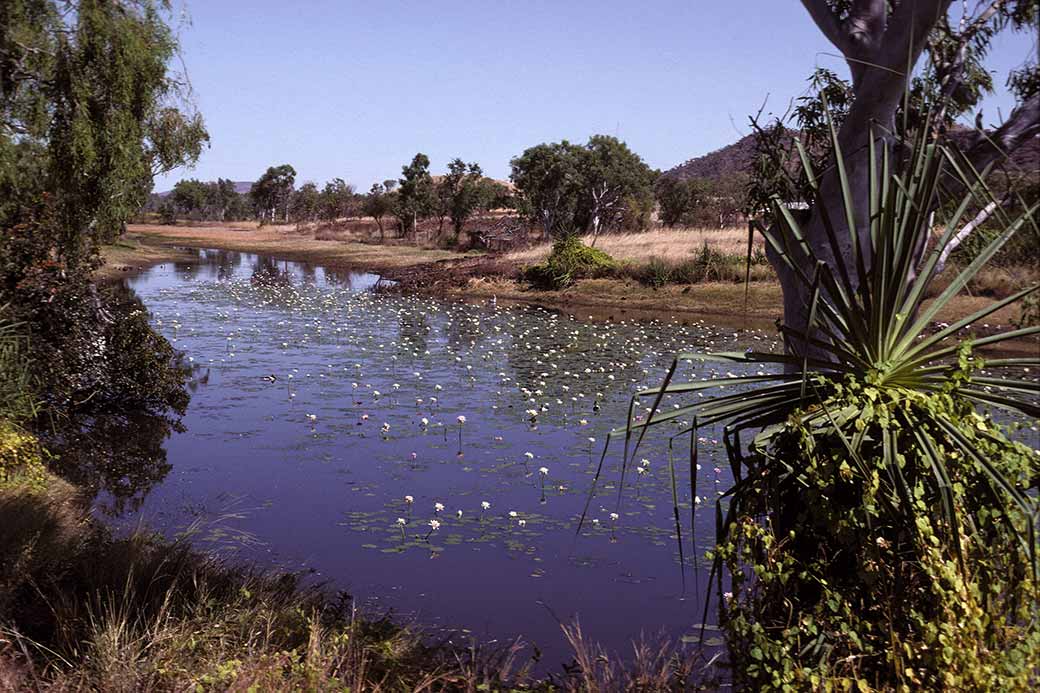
(266, 270)
(118, 453)
(414, 329)
(225, 261)
(112, 441)
(187, 270)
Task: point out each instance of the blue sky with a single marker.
(355, 89)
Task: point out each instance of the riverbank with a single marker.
(479, 276)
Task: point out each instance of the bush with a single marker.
(879, 601)
(570, 260)
(88, 347)
(21, 458)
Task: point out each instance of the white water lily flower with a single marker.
(485, 505)
(402, 521)
(544, 471)
(529, 455)
(614, 516)
(437, 507)
(461, 419)
(409, 499)
(512, 513)
(435, 525)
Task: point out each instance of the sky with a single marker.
(355, 89)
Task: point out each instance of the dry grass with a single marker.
(292, 244)
(666, 244)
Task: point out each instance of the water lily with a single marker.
(438, 507)
(434, 526)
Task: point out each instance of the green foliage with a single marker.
(272, 193)
(416, 197)
(570, 260)
(678, 200)
(569, 188)
(706, 265)
(189, 196)
(379, 202)
(337, 200)
(463, 191)
(21, 458)
(881, 530)
(88, 132)
(90, 348)
(305, 203)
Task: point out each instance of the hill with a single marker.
(737, 157)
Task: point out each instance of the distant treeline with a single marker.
(564, 188)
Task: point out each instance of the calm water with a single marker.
(320, 405)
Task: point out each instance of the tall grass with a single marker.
(16, 395)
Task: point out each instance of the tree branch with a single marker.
(959, 237)
(1021, 126)
(827, 22)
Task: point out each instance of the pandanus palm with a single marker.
(871, 413)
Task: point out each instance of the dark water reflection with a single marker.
(321, 407)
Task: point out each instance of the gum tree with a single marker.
(882, 42)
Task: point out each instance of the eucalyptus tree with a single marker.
(549, 180)
(462, 191)
(882, 42)
(614, 179)
(378, 203)
(89, 115)
(87, 134)
(416, 198)
(337, 200)
(272, 193)
(189, 196)
(570, 188)
(305, 203)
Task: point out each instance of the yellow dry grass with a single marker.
(670, 245)
(289, 243)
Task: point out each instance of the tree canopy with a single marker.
(569, 188)
(88, 135)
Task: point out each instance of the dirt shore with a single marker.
(481, 277)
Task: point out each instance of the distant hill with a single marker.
(737, 157)
(733, 158)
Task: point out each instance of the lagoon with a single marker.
(331, 422)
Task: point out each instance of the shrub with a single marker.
(88, 347)
(570, 260)
(20, 457)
